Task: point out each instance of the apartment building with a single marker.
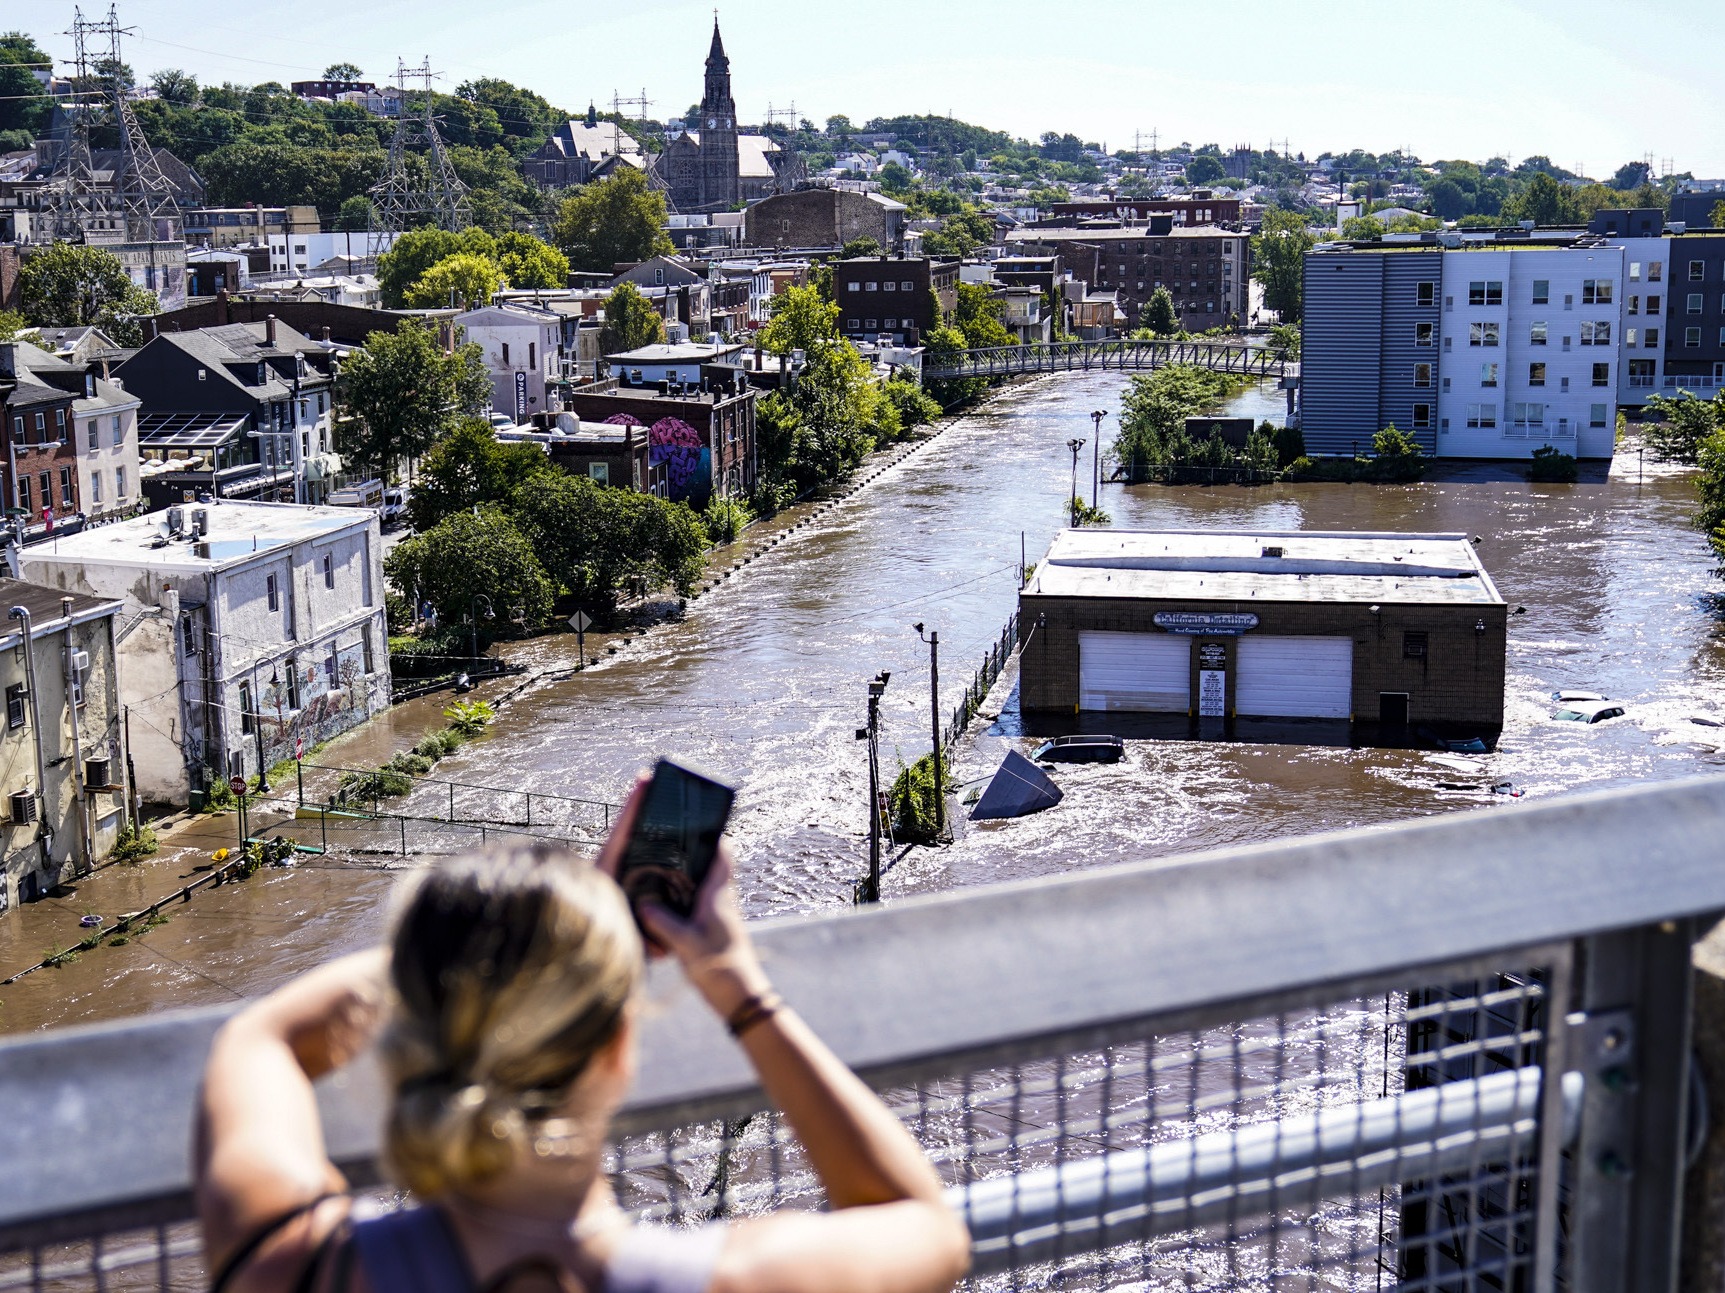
(522, 353)
(1206, 269)
(1695, 314)
(1479, 347)
(903, 298)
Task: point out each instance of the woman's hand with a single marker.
(712, 944)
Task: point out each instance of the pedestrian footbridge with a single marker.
(1123, 355)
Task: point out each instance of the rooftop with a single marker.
(680, 352)
(238, 532)
(1236, 566)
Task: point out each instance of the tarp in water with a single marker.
(1019, 787)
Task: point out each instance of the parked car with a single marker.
(1569, 697)
(1589, 711)
(394, 509)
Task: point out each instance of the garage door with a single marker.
(1295, 677)
(1143, 672)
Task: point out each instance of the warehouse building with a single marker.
(1263, 635)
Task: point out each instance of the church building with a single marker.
(712, 167)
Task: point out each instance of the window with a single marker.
(1692, 337)
(853, 287)
(41, 427)
(1422, 374)
(889, 287)
(1597, 415)
(1488, 374)
(1482, 334)
(60, 425)
(24, 493)
(1653, 305)
(1596, 291)
(1596, 333)
(119, 484)
(329, 570)
(1655, 271)
(853, 325)
(1542, 291)
(1485, 292)
(1634, 305)
(66, 487)
(1422, 334)
(15, 710)
(96, 487)
(331, 668)
(1652, 339)
(907, 287)
(1697, 271)
(1482, 415)
(1694, 303)
(272, 593)
(532, 354)
(874, 287)
(871, 324)
(47, 482)
(1522, 417)
(505, 354)
(1602, 374)
(1422, 415)
(597, 472)
(1629, 336)
(1634, 271)
(1536, 374)
(18, 429)
(118, 431)
(1427, 293)
(246, 708)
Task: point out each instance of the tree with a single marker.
(978, 316)
(630, 322)
(416, 251)
(614, 221)
(1279, 261)
(1631, 175)
(1159, 316)
(857, 248)
(174, 86)
(356, 214)
(13, 325)
(24, 104)
(69, 285)
(1680, 425)
(800, 320)
(471, 468)
(399, 393)
(1710, 487)
(463, 279)
(1204, 170)
(1716, 218)
(1449, 201)
(894, 178)
(342, 72)
(469, 555)
(943, 346)
(1545, 202)
(527, 261)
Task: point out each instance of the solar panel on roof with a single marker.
(186, 430)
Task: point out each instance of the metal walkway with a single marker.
(1121, 355)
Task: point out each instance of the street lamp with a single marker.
(933, 640)
(473, 623)
(1096, 455)
(258, 730)
(1075, 446)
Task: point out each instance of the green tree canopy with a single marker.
(1710, 487)
(400, 393)
(464, 280)
(858, 247)
(1545, 202)
(1205, 170)
(416, 251)
(69, 285)
(1159, 314)
(1279, 261)
(614, 221)
(800, 319)
(527, 261)
(630, 321)
(356, 214)
(24, 104)
(471, 468)
(465, 556)
(1679, 425)
(342, 72)
(894, 178)
(978, 315)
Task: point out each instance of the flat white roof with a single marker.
(238, 532)
(1232, 566)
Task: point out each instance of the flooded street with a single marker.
(764, 683)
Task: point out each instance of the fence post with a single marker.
(403, 822)
(323, 828)
(451, 800)
(299, 778)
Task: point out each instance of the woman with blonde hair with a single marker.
(504, 1014)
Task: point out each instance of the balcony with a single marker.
(1453, 1053)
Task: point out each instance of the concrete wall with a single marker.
(1458, 683)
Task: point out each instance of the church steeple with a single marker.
(717, 53)
(716, 104)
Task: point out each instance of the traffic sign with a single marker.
(299, 746)
(579, 622)
(237, 785)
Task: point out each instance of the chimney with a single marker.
(270, 331)
(326, 336)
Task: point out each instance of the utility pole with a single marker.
(868, 891)
(933, 640)
(1072, 509)
(1096, 456)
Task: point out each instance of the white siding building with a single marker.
(246, 627)
(106, 436)
(1646, 298)
(521, 353)
(1530, 350)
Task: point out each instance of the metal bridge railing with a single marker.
(1451, 1054)
(1122, 354)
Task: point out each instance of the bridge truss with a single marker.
(1123, 355)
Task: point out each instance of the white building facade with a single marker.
(520, 342)
(248, 629)
(106, 436)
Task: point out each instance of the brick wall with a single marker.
(1459, 682)
(817, 218)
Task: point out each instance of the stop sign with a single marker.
(237, 785)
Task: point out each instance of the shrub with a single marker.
(438, 744)
(385, 783)
(442, 651)
(134, 841)
(724, 519)
(911, 800)
(469, 718)
(218, 797)
(1553, 465)
(1083, 514)
(1396, 455)
(415, 765)
(1290, 444)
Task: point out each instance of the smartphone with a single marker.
(675, 837)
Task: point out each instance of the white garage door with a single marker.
(1143, 672)
(1295, 677)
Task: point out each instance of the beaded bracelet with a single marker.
(752, 1012)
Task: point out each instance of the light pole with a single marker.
(473, 623)
(1075, 446)
(933, 640)
(1096, 455)
(869, 889)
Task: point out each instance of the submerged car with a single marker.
(1589, 711)
(1570, 697)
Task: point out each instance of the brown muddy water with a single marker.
(764, 683)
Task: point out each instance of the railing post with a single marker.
(451, 800)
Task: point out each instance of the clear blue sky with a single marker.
(1584, 81)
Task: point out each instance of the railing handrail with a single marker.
(1023, 968)
(1057, 356)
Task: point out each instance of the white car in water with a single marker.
(1588, 711)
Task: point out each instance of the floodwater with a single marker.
(764, 683)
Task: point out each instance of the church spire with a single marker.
(717, 53)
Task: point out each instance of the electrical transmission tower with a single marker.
(402, 199)
(139, 206)
(789, 114)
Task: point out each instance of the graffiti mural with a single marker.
(688, 463)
